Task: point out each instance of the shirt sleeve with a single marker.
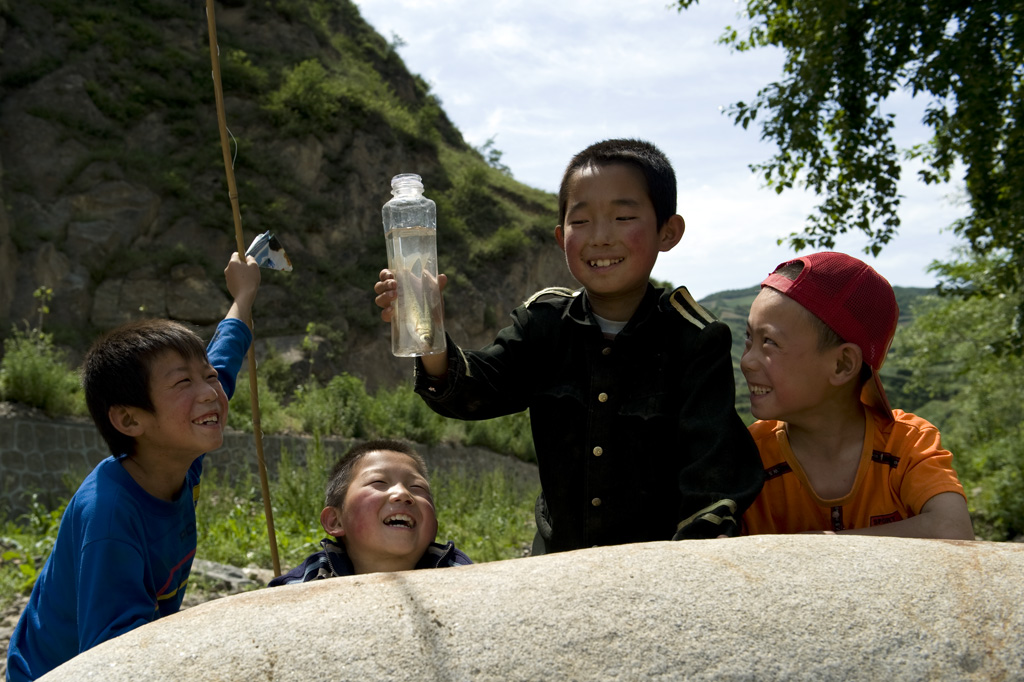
(486, 383)
(723, 475)
(929, 469)
(227, 349)
(107, 611)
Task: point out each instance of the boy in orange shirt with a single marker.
(837, 458)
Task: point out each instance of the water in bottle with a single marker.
(410, 229)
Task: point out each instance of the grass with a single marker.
(24, 548)
(489, 516)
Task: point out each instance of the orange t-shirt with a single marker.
(902, 466)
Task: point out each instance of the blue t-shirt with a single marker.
(122, 557)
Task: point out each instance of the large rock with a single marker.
(759, 608)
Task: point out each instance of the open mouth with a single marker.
(207, 420)
(604, 262)
(400, 521)
(758, 390)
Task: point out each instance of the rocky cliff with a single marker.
(114, 192)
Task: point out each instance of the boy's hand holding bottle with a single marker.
(386, 293)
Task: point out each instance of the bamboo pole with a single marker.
(257, 432)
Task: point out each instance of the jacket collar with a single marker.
(340, 563)
(581, 312)
(337, 557)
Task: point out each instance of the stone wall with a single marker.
(43, 456)
(50, 457)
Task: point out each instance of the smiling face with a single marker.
(190, 409)
(787, 373)
(387, 519)
(610, 236)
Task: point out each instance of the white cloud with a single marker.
(546, 79)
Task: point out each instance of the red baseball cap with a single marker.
(854, 301)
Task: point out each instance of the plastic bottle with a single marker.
(410, 230)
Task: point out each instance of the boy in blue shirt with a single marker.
(630, 388)
(126, 541)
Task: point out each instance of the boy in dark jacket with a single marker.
(630, 388)
(379, 513)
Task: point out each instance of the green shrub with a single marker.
(977, 399)
(341, 407)
(307, 99)
(510, 435)
(505, 243)
(274, 418)
(239, 71)
(11, 577)
(298, 490)
(230, 523)
(35, 372)
(992, 475)
(400, 413)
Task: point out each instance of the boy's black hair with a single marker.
(644, 156)
(340, 477)
(116, 371)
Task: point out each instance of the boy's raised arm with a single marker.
(243, 280)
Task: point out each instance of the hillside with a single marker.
(732, 306)
(114, 191)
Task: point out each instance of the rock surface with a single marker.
(764, 608)
(208, 581)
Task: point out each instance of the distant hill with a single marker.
(733, 305)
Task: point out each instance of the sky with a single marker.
(547, 78)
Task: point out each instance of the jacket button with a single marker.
(598, 451)
(602, 397)
(607, 350)
(596, 502)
